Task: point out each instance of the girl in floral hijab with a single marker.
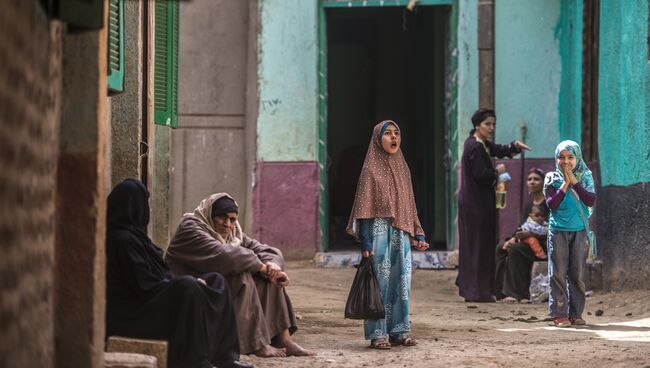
(570, 195)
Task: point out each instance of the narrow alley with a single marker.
(455, 126)
(453, 333)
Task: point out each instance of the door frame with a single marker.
(451, 123)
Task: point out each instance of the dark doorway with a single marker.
(387, 63)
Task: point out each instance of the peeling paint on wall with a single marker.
(624, 93)
(288, 84)
(467, 69)
(538, 72)
(568, 32)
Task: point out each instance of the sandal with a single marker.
(403, 341)
(561, 322)
(379, 344)
(577, 321)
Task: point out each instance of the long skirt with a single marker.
(392, 255)
(263, 311)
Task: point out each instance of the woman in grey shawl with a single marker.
(211, 240)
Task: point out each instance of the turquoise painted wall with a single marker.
(624, 93)
(463, 89)
(538, 67)
(569, 33)
(288, 81)
(467, 73)
(288, 85)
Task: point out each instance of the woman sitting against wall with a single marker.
(514, 258)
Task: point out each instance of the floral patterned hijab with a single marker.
(384, 189)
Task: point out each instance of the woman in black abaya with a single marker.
(194, 315)
(477, 207)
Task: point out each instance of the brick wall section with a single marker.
(30, 52)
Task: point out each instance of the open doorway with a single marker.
(387, 63)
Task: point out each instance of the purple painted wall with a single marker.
(285, 203)
(510, 216)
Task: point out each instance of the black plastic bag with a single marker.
(364, 300)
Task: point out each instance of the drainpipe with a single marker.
(486, 53)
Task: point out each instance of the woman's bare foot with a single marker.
(268, 351)
(294, 349)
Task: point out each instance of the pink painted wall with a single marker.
(510, 216)
(285, 203)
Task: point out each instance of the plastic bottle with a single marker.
(501, 189)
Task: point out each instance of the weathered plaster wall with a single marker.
(286, 197)
(568, 32)
(126, 107)
(462, 98)
(209, 147)
(624, 144)
(538, 71)
(160, 186)
(30, 86)
(624, 93)
(467, 73)
(510, 217)
(288, 81)
(286, 186)
(79, 277)
(623, 232)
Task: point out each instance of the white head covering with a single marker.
(204, 213)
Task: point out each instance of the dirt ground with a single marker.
(453, 333)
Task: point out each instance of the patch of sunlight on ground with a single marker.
(638, 330)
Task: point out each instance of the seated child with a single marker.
(535, 224)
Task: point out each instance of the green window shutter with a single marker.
(165, 84)
(115, 46)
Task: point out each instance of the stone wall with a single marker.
(79, 277)
(30, 56)
(624, 144)
(623, 235)
(126, 107)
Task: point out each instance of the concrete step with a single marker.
(421, 260)
(129, 360)
(154, 348)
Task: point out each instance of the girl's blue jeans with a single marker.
(567, 259)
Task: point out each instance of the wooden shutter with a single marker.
(115, 46)
(165, 82)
